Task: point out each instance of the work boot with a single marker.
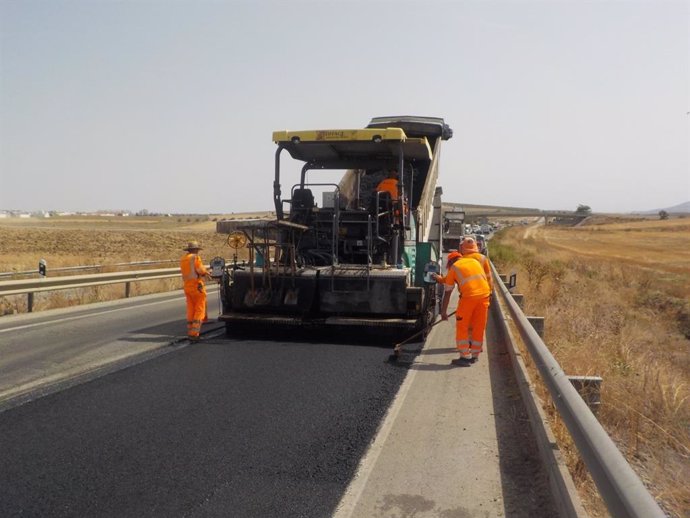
(194, 339)
(474, 359)
(462, 362)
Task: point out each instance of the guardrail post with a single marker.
(538, 325)
(30, 303)
(589, 388)
(127, 287)
(510, 282)
(519, 299)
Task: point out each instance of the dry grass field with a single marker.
(82, 240)
(615, 297)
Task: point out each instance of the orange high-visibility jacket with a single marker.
(193, 269)
(469, 275)
(484, 261)
(390, 185)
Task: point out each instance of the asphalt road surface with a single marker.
(240, 427)
(106, 410)
(46, 351)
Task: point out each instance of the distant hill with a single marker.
(682, 208)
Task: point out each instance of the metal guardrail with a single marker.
(623, 492)
(31, 286)
(83, 281)
(87, 267)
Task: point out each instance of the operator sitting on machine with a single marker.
(390, 185)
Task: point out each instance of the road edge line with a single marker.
(355, 489)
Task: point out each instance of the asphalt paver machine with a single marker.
(359, 257)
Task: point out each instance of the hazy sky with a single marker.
(169, 105)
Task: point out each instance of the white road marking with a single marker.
(353, 493)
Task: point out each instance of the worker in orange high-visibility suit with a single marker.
(193, 274)
(390, 185)
(469, 248)
(453, 256)
(473, 307)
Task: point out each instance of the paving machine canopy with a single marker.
(343, 149)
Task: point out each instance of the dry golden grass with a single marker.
(615, 301)
(79, 241)
(658, 246)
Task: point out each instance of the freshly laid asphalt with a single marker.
(221, 428)
(258, 427)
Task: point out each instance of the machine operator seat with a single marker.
(302, 199)
(301, 206)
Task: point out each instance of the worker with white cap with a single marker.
(472, 312)
(469, 249)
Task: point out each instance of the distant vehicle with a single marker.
(476, 229)
(481, 244)
(485, 229)
(453, 230)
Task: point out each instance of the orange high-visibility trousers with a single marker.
(195, 292)
(472, 313)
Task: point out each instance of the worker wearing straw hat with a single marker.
(193, 274)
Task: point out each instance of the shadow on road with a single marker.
(523, 479)
(350, 336)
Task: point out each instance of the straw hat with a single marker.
(192, 245)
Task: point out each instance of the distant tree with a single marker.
(143, 212)
(663, 214)
(584, 210)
